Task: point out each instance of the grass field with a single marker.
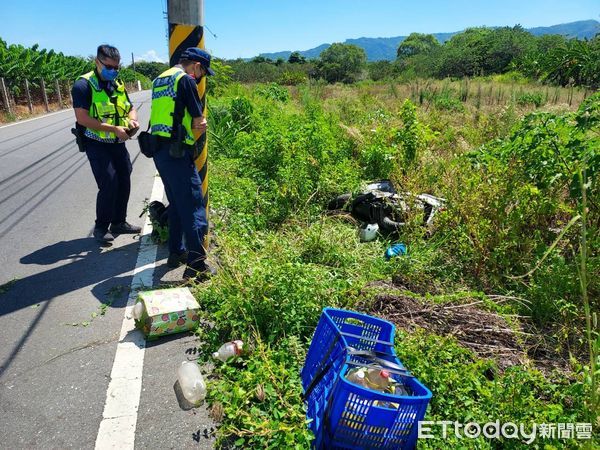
(502, 255)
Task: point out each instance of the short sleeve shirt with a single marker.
(187, 92)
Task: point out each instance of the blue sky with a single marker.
(245, 28)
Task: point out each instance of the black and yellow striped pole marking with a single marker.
(186, 19)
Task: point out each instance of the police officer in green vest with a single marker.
(176, 114)
(106, 118)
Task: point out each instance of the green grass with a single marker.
(278, 160)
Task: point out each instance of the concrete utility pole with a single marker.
(186, 29)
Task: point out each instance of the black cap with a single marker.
(198, 55)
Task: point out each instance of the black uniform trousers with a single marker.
(187, 214)
(111, 166)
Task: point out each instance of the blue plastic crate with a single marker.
(360, 418)
(339, 330)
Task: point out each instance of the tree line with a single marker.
(481, 51)
(19, 63)
(489, 51)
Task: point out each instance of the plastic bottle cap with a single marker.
(215, 354)
(384, 374)
(360, 374)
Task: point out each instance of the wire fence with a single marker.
(29, 97)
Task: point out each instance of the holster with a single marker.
(79, 137)
(178, 148)
(148, 144)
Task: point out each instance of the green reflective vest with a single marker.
(164, 92)
(112, 109)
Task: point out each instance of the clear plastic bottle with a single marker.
(378, 379)
(191, 382)
(138, 310)
(228, 350)
(351, 416)
(357, 376)
(400, 389)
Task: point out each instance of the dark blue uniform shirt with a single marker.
(187, 92)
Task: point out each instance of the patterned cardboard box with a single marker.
(167, 311)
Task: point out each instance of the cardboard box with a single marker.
(167, 311)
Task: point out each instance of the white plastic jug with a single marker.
(138, 310)
(191, 382)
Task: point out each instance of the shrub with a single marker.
(530, 98)
(290, 78)
(273, 91)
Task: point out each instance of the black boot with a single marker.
(124, 228)
(103, 236)
(198, 271)
(176, 259)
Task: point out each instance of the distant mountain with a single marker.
(385, 48)
(378, 49)
(584, 29)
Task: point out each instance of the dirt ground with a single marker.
(509, 340)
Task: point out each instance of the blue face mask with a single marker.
(109, 74)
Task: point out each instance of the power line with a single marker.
(210, 31)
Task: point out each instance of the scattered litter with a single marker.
(229, 350)
(191, 382)
(138, 310)
(368, 233)
(395, 250)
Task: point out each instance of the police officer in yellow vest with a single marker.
(106, 118)
(176, 113)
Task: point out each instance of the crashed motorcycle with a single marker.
(381, 208)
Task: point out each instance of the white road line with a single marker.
(119, 419)
(39, 117)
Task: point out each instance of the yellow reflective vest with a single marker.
(164, 93)
(111, 109)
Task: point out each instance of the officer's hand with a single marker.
(121, 133)
(134, 126)
(199, 124)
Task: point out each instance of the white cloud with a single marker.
(151, 56)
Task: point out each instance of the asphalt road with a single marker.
(62, 299)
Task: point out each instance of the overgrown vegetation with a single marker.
(519, 184)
